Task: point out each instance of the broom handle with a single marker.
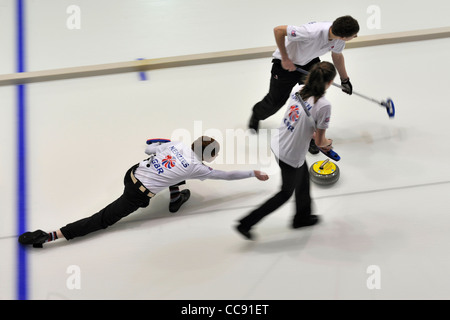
(340, 87)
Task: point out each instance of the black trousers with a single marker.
(293, 179)
(131, 200)
(281, 84)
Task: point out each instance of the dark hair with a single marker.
(319, 75)
(205, 148)
(345, 27)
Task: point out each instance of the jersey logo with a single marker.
(293, 33)
(168, 162)
(294, 113)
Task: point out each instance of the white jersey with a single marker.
(173, 162)
(309, 41)
(291, 142)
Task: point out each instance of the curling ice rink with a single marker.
(389, 210)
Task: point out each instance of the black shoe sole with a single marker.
(185, 195)
(312, 220)
(253, 124)
(246, 233)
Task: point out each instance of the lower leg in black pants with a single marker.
(288, 175)
(174, 193)
(268, 207)
(302, 193)
(106, 217)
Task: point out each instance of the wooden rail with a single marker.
(204, 58)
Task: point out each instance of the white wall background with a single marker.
(128, 30)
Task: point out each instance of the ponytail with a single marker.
(319, 75)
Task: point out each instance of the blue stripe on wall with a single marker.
(22, 264)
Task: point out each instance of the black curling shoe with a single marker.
(253, 123)
(36, 238)
(184, 196)
(309, 221)
(243, 231)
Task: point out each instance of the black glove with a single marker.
(347, 86)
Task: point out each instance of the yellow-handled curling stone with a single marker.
(324, 172)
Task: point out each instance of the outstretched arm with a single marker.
(237, 175)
